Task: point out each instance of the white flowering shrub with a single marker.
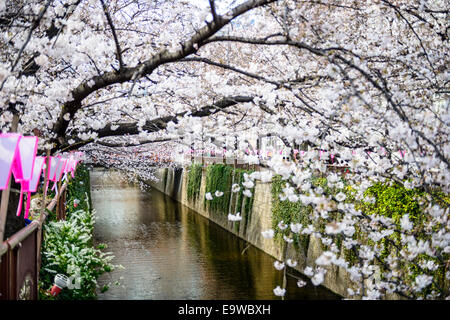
(68, 249)
(68, 246)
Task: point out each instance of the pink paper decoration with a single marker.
(32, 185)
(74, 168)
(54, 161)
(60, 169)
(23, 163)
(23, 166)
(18, 156)
(67, 166)
(38, 166)
(58, 172)
(8, 148)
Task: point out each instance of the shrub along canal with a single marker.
(171, 252)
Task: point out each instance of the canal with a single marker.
(170, 252)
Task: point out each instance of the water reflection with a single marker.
(171, 252)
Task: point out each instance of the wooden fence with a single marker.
(20, 255)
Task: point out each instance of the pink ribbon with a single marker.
(32, 185)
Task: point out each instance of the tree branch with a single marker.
(113, 31)
(147, 67)
(154, 125)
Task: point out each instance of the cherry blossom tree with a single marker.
(363, 81)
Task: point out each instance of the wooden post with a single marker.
(6, 192)
(4, 210)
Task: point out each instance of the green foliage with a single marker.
(68, 247)
(244, 204)
(77, 188)
(104, 288)
(194, 181)
(288, 212)
(218, 178)
(394, 201)
(51, 215)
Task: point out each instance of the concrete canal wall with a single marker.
(173, 182)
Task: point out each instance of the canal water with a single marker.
(171, 252)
